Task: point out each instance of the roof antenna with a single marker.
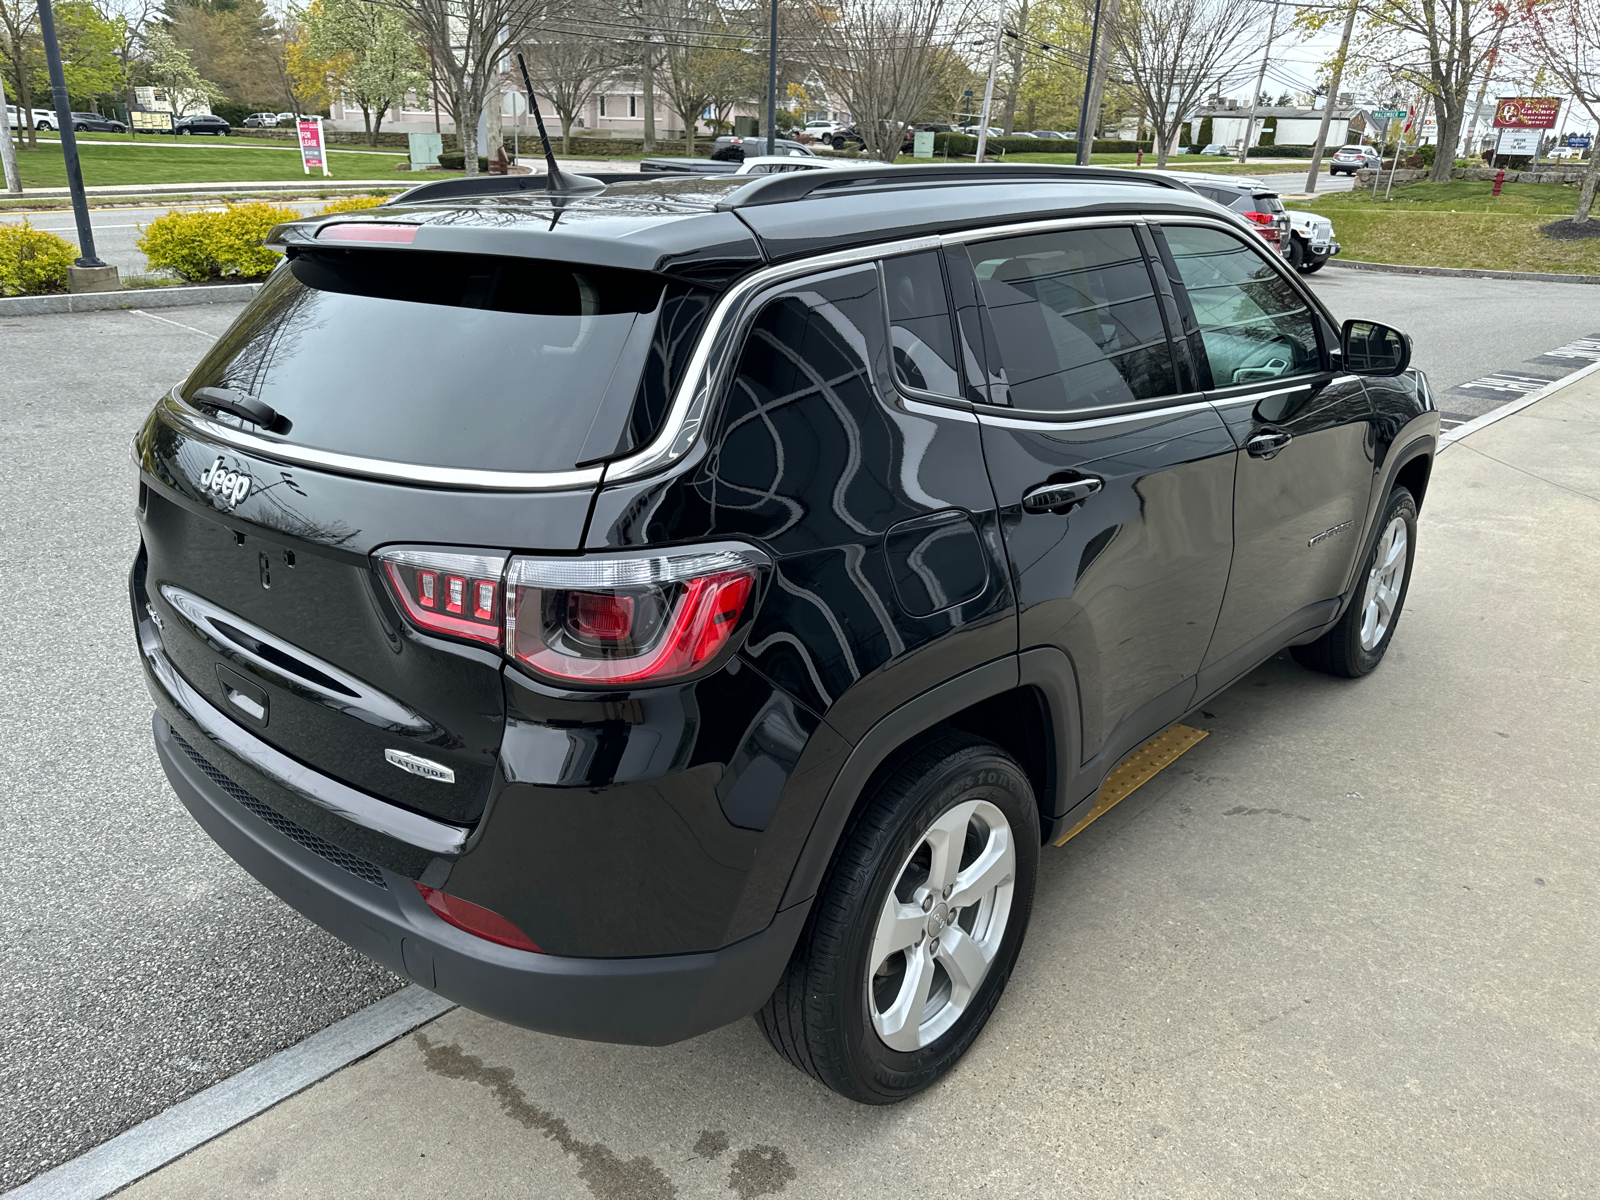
(557, 181)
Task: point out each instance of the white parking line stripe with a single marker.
(1515, 406)
(183, 1127)
(166, 321)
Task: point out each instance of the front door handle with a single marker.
(1265, 445)
(1059, 497)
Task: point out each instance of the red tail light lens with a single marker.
(476, 920)
(457, 595)
(628, 619)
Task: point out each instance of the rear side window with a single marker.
(1075, 318)
(919, 324)
(460, 360)
(1254, 325)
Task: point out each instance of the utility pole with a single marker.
(8, 149)
(1261, 78)
(772, 82)
(89, 274)
(1089, 119)
(988, 94)
(1333, 99)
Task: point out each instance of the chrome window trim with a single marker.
(178, 412)
(999, 417)
(1049, 225)
(1256, 397)
(719, 341)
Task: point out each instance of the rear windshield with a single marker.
(457, 360)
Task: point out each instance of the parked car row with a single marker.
(45, 120)
(266, 120)
(1305, 239)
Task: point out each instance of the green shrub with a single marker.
(211, 245)
(233, 114)
(33, 261)
(458, 161)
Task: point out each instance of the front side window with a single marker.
(1075, 318)
(919, 324)
(1254, 324)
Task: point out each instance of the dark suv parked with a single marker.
(623, 613)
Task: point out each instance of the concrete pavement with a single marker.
(1348, 946)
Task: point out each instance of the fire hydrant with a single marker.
(1499, 178)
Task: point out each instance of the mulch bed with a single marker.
(1568, 230)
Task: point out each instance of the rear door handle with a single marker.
(1059, 497)
(1265, 445)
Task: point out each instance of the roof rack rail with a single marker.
(798, 185)
(489, 185)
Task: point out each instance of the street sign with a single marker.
(313, 149)
(1388, 114)
(1527, 112)
(1579, 141)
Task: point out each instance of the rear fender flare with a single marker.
(1047, 669)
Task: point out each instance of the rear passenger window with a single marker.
(919, 324)
(1254, 324)
(1075, 317)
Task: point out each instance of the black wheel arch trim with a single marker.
(1424, 446)
(1045, 668)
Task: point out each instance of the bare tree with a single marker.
(568, 65)
(885, 60)
(1439, 46)
(469, 41)
(1176, 52)
(1563, 38)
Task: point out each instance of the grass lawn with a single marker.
(1459, 224)
(106, 165)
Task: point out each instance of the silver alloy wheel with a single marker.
(941, 925)
(1384, 582)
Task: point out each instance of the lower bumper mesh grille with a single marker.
(359, 867)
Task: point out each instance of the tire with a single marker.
(1297, 253)
(185, 133)
(80, 129)
(1356, 645)
(830, 1012)
(1314, 264)
(837, 143)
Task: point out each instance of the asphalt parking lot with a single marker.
(1346, 946)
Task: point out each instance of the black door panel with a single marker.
(1127, 582)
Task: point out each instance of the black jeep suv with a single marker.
(628, 612)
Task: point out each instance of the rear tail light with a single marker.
(631, 619)
(1267, 224)
(457, 595)
(623, 619)
(476, 920)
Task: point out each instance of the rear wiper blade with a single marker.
(240, 404)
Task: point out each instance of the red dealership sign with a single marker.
(1527, 112)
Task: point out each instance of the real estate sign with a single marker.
(150, 122)
(1527, 112)
(313, 150)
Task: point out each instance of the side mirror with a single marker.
(1373, 349)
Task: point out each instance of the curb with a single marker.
(132, 190)
(1461, 272)
(1450, 437)
(173, 297)
(168, 1135)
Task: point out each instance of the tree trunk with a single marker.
(566, 131)
(1444, 150)
(1591, 177)
(8, 150)
(366, 123)
(467, 134)
(25, 109)
(688, 132)
(1163, 139)
(495, 125)
(649, 100)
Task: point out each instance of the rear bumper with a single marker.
(646, 1001)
